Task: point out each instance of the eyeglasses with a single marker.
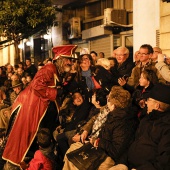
(142, 54)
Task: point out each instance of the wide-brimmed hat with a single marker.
(16, 83)
(64, 51)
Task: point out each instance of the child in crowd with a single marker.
(24, 82)
(44, 158)
(28, 78)
(146, 82)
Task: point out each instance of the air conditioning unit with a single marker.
(75, 28)
(115, 15)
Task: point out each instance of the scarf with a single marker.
(89, 81)
(99, 122)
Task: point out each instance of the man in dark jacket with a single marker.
(31, 69)
(151, 148)
(124, 65)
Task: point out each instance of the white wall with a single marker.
(56, 33)
(146, 19)
(7, 55)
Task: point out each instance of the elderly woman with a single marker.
(112, 130)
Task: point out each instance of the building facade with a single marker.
(101, 26)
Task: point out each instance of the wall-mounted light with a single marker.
(47, 36)
(28, 43)
(20, 46)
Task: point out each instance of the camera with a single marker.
(164, 57)
(125, 76)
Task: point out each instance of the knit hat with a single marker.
(160, 92)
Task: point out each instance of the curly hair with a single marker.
(119, 97)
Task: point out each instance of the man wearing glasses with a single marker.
(145, 54)
(124, 65)
(151, 147)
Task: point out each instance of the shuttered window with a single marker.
(102, 44)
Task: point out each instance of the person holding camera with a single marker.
(163, 66)
(124, 65)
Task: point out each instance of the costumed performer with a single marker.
(27, 112)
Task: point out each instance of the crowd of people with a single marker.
(113, 103)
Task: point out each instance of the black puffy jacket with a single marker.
(151, 148)
(117, 134)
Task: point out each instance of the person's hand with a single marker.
(91, 140)
(83, 136)
(24, 165)
(56, 78)
(142, 103)
(161, 57)
(122, 81)
(76, 138)
(94, 141)
(58, 128)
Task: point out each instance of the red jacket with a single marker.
(40, 162)
(32, 103)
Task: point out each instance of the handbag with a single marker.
(87, 157)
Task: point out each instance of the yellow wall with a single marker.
(6, 54)
(165, 27)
